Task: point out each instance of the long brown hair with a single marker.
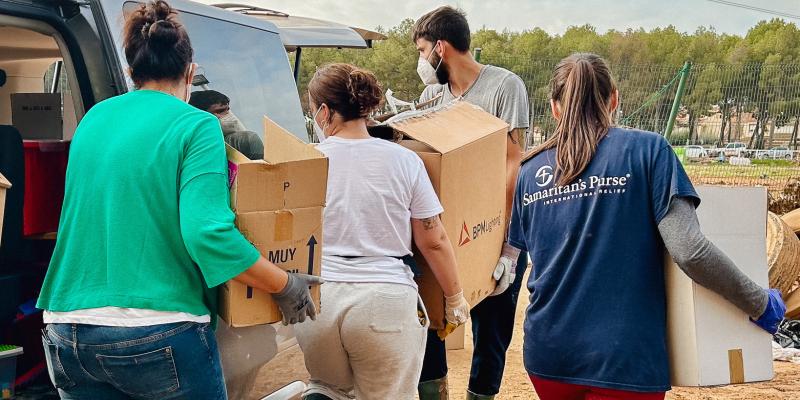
(582, 86)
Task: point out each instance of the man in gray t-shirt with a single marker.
(496, 90)
(446, 66)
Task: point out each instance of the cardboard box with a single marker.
(293, 174)
(711, 342)
(288, 238)
(37, 116)
(4, 186)
(464, 151)
(278, 203)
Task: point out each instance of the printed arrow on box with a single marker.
(312, 244)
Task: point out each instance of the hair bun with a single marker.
(156, 44)
(365, 92)
(162, 33)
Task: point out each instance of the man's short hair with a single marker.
(204, 99)
(444, 23)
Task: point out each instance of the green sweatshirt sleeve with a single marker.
(216, 246)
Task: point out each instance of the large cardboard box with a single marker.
(4, 185)
(37, 116)
(464, 151)
(278, 203)
(711, 342)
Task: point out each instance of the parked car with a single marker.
(737, 149)
(70, 51)
(775, 153)
(695, 152)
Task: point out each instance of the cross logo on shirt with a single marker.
(544, 176)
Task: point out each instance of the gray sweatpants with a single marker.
(367, 342)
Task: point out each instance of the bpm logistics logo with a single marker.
(544, 176)
(465, 237)
(485, 226)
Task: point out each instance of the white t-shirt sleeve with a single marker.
(424, 202)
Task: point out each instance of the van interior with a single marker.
(33, 63)
(40, 107)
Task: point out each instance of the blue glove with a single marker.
(773, 315)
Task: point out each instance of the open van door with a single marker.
(298, 32)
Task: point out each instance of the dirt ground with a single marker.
(516, 385)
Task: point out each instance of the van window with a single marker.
(250, 67)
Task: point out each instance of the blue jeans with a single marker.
(170, 361)
(492, 328)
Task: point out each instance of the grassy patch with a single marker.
(775, 163)
(757, 171)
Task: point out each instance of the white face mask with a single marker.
(318, 129)
(230, 123)
(190, 74)
(426, 71)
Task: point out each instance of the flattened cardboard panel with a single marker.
(715, 205)
(734, 219)
(681, 325)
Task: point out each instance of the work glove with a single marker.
(456, 312)
(773, 315)
(295, 300)
(506, 270)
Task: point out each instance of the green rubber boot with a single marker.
(433, 390)
(473, 396)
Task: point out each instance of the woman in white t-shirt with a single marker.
(369, 340)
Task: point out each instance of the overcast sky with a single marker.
(553, 16)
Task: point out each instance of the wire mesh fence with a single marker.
(735, 124)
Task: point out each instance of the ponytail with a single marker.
(582, 87)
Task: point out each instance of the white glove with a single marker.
(506, 270)
(456, 309)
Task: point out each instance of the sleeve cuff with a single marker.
(428, 213)
(519, 245)
(234, 270)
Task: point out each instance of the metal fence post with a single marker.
(676, 105)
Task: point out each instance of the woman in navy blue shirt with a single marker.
(595, 206)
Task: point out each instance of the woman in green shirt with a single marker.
(145, 232)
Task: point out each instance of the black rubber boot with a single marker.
(433, 390)
(316, 396)
(473, 396)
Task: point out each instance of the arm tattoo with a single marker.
(429, 223)
(511, 135)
